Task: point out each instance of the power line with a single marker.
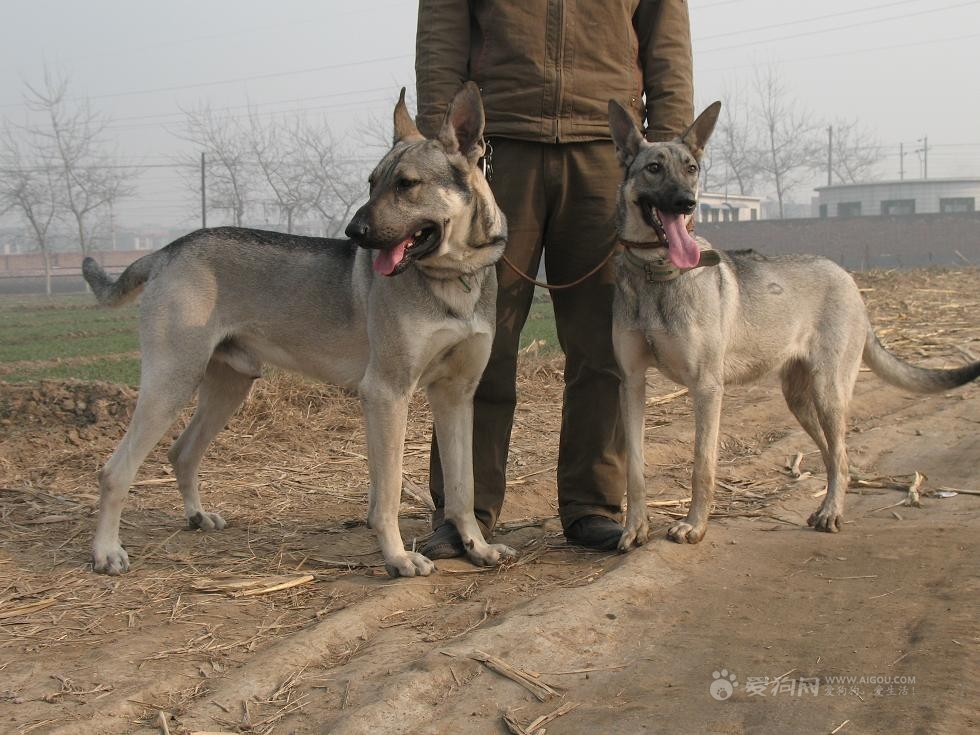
(170, 165)
(806, 20)
(818, 57)
(253, 104)
(713, 5)
(839, 28)
(335, 106)
(235, 80)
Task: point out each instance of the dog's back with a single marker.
(255, 292)
(226, 247)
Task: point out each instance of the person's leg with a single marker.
(591, 460)
(518, 187)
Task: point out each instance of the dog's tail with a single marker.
(127, 287)
(909, 377)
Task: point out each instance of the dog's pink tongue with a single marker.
(388, 260)
(681, 247)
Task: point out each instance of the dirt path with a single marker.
(632, 641)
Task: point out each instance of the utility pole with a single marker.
(830, 152)
(204, 199)
(112, 225)
(924, 150)
(901, 161)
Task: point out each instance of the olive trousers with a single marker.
(560, 203)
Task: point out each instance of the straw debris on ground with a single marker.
(290, 477)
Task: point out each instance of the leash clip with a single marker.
(486, 163)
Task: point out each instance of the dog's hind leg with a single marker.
(631, 354)
(221, 393)
(830, 396)
(451, 400)
(707, 397)
(798, 391)
(166, 386)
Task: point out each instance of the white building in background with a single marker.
(911, 196)
(714, 207)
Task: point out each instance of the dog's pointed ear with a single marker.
(462, 129)
(696, 136)
(625, 134)
(404, 124)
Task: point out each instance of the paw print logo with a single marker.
(723, 685)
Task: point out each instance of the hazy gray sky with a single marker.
(904, 68)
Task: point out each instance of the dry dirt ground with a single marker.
(765, 608)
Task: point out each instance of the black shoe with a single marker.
(595, 532)
(444, 543)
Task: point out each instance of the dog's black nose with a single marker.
(357, 229)
(685, 202)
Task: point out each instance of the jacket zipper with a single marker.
(559, 62)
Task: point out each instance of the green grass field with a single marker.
(69, 336)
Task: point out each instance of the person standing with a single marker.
(546, 70)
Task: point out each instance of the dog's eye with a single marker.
(653, 167)
(404, 184)
(692, 169)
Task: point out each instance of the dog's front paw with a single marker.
(491, 555)
(206, 521)
(826, 520)
(110, 559)
(410, 564)
(634, 535)
(685, 533)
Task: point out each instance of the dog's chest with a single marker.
(666, 315)
(662, 309)
(456, 348)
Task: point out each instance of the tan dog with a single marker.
(410, 302)
(708, 327)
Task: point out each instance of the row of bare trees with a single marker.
(59, 174)
(283, 170)
(58, 170)
(766, 142)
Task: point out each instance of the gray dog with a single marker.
(413, 306)
(707, 318)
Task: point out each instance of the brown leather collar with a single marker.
(660, 269)
(660, 242)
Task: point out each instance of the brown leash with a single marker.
(658, 243)
(558, 287)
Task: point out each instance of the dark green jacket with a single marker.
(547, 68)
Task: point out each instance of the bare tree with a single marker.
(70, 142)
(276, 149)
(855, 152)
(29, 188)
(789, 146)
(335, 183)
(734, 142)
(232, 177)
(373, 133)
(711, 177)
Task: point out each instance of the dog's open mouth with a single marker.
(392, 261)
(671, 228)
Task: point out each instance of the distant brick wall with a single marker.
(32, 264)
(858, 243)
